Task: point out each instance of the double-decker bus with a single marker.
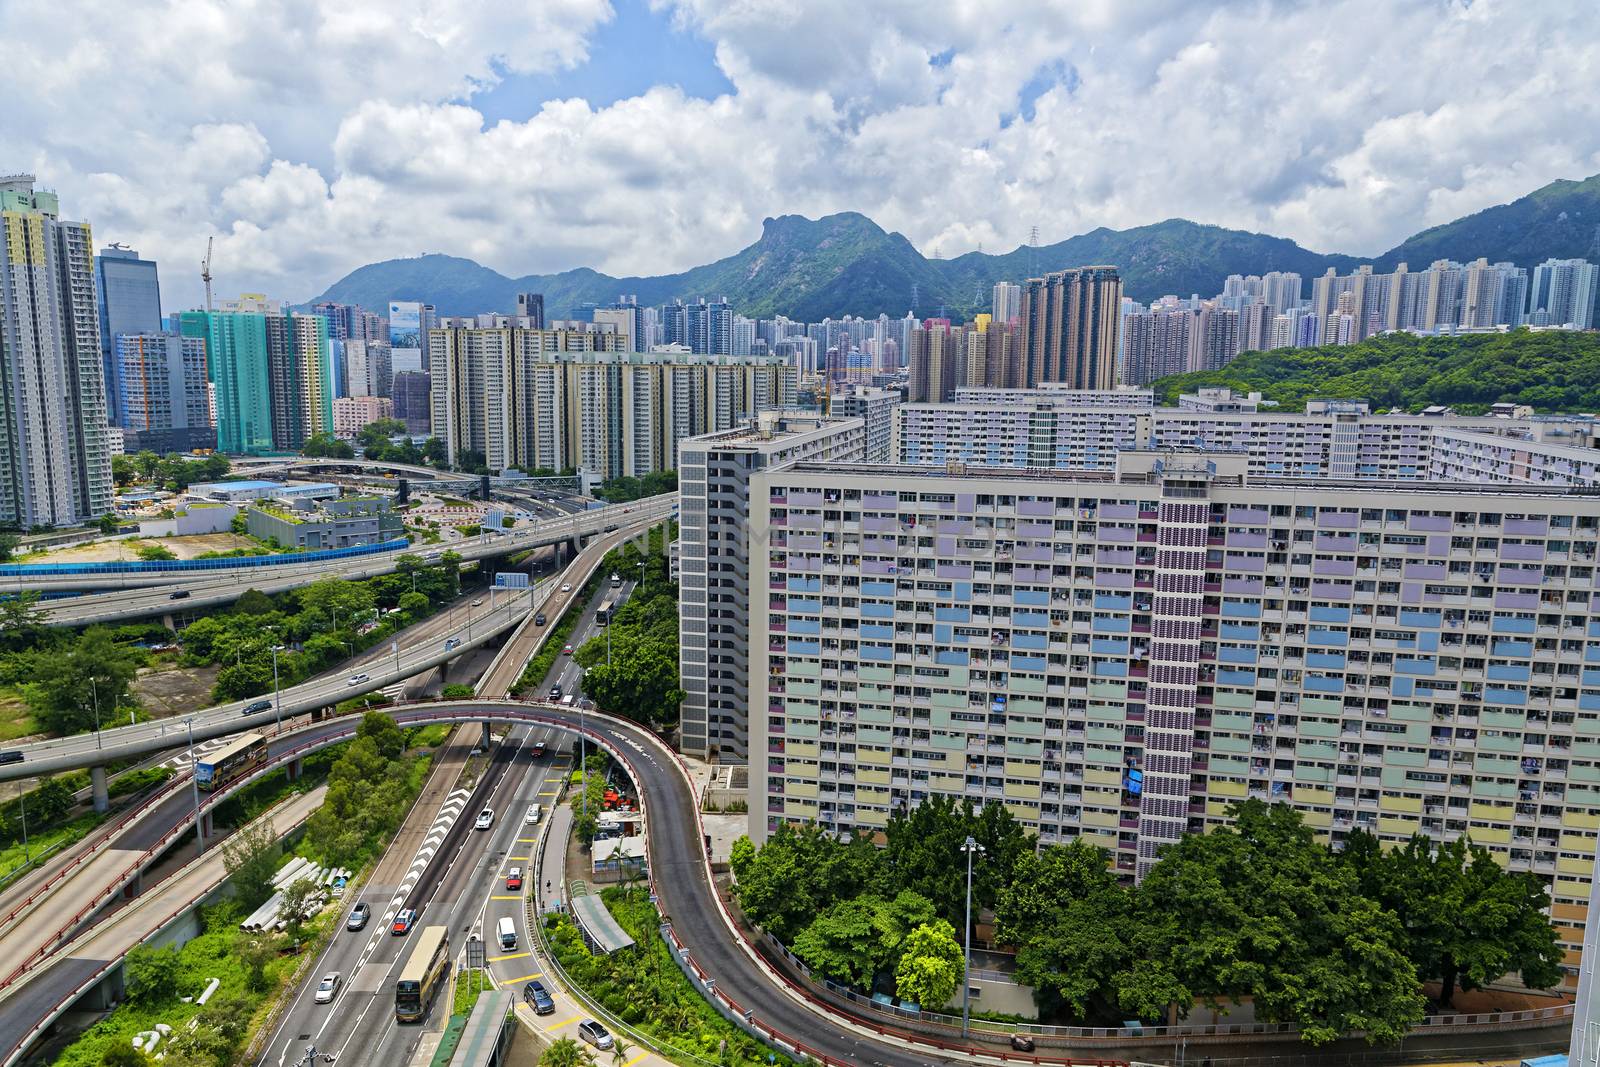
(603, 616)
(232, 761)
(426, 969)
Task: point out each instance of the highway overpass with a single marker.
(141, 595)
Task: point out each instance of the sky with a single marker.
(648, 136)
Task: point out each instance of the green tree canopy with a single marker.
(924, 852)
(71, 682)
(1467, 920)
(930, 967)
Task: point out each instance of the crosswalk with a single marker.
(180, 762)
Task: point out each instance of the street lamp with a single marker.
(94, 695)
(194, 787)
(277, 694)
(969, 846)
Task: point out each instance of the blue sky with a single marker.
(635, 51)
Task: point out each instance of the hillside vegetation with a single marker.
(1552, 372)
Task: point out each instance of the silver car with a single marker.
(329, 987)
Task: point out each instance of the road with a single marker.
(462, 889)
(33, 1005)
(148, 592)
(484, 618)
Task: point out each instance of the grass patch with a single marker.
(539, 666)
(644, 988)
(13, 855)
(429, 736)
(16, 720)
(470, 985)
(140, 780)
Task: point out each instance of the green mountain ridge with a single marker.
(846, 264)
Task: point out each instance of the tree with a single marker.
(154, 553)
(298, 904)
(152, 974)
(108, 523)
(251, 858)
(21, 620)
(566, 1052)
(621, 1051)
(457, 691)
(415, 605)
(255, 952)
(800, 872)
(254, 602)
(1068, 919)
(1259, 909)
(433, 451)
(8, 545)
(325, 445)
(857, 939)
(124, 1055)
(930, 965)
(924, 852)
(71, 683)
(1467, 920)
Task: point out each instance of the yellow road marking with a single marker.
(516, 897)
(526, 840)
(509, 982)
(516, 857)
(547, 792)
(636, 1059)
(513, 956)
(557, 1026)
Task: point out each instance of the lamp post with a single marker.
(969, 846)
(194, 788)
(94, 696)
(22, 802)
(277, 694)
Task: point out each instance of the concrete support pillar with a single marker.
(134, 887)
(97, 783)
(205, 824)
(487, 738)
(169, 622)
(293, 770)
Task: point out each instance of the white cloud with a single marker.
(313, 137)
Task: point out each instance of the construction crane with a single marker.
(205, 272)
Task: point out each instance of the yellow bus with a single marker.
(239, 758)
(425, 971)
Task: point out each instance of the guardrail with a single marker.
(161, 566)
(114, 885)
(61, 1004)
(99, 839)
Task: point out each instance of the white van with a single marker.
(507, 928)
(569, 700)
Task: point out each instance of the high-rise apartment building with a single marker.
(55, 459)
(1070, 322)
(936, 361)
(1565, 292)
(1214, 339)
(709, 327)
(1005, 302)
(411, 395)
(166, 406)
(1494, 294)
(1280, 290)
(715, 555)
(1399, 658)
(129, 298)
(875, 408)
(1155, 344)
(272, 373)
(530, 306)
(555, 399)
(368, 369)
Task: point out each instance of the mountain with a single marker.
(1561, 220)
(846, 264)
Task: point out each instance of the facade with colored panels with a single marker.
(55, 455)
(1336, 439)
(165, 407)
(1120, 655)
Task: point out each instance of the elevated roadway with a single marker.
(149, 592)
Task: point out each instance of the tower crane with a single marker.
(205, 272)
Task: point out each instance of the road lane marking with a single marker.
(547, 792)
(524, 858)
(526, 840)
(513, 956)
(524, 978)
(517, 897)
(636, 1059)
(557, 1026)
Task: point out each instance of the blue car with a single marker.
(536, 994)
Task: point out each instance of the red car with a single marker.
(402, 922)
(566, 650)
(514, 878)
(538, 749)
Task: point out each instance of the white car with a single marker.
(329, 986)
(566, 587)
(485, 819)
(532, 817)
(356, 679)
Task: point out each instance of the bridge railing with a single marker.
(166, 566)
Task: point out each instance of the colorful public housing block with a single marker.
(1118, 654)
